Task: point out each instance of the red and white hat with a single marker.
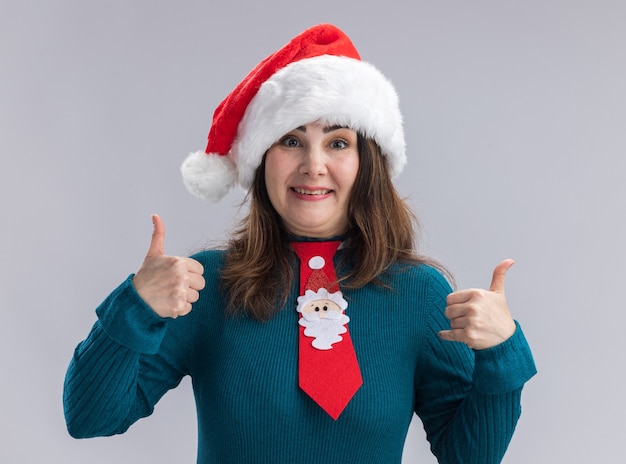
(317, 76)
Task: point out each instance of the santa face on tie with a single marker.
(322, 317)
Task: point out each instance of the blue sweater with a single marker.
(244, 375)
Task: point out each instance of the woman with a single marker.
(319, 331)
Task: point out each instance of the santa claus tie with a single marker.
(328, 370)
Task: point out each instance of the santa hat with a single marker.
(317, 76)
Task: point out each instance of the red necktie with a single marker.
(328, 370)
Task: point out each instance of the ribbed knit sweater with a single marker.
(244, 375)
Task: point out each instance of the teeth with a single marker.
(311, 192)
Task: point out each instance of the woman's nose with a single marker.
(314, 162)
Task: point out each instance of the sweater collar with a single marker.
(299, 238)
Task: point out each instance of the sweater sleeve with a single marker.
(469, 401)
(120, 371)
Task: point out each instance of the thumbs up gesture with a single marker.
(480, 318)
(168, 284)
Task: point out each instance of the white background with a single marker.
(515, 117)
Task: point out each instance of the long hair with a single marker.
(257, 274)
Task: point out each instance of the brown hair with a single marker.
(257, 274)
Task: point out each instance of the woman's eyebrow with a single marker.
(333, 128)
(326, 129)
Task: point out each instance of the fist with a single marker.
(168, 284)
(480, 318)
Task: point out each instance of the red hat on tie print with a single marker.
(317, 76)
(319, 287)
(318, 279)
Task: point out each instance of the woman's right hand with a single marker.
(168, 284)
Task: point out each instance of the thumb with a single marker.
(157, 246)
(497, 281)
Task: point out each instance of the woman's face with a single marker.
(309, 174)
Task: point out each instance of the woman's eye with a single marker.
(290, 141)
(339, 144)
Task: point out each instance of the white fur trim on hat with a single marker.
(332, 89)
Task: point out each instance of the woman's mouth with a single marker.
(302, 191)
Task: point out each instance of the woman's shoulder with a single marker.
(421, 274)
(209, 254)
(419, 270)
(212, 260)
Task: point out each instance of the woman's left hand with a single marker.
(480, 318)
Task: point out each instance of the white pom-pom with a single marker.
(208, 176)
(316, 262)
